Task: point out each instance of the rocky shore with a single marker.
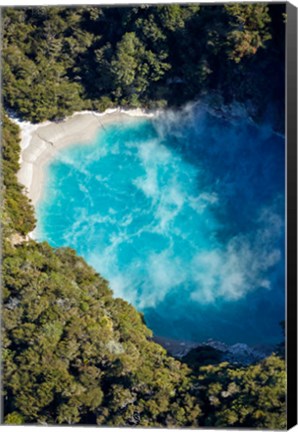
(239, 353)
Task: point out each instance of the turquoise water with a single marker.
(184, 215)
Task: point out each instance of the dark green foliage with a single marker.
(202, 355)
(134, 68)
(17, 212)
(40, 45)
(251, 397)
(58, 60)
(249, 29)
(73, 354)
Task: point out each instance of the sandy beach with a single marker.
(40, 143)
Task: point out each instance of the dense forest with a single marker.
(58, 60)
(72, 353)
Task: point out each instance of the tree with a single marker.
(135, 68)
(253, 396)
(249, 29)
(71, 352)
(17, 212)
(74, 354)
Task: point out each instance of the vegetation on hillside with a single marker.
(248, 397)
(57, 60)
(17, 213)
(72, 353)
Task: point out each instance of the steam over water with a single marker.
(184, 215)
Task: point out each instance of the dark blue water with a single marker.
(184, 215)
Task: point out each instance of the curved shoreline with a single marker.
(41, 142)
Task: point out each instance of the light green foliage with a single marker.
(39, 46)
(249, 29)
(149, 30)
(14, 419)
(63, 365)
(16, 212)
(71, 352)
(58, 60)
(174, 17)
(135, 67)
(251, 397)
(126, 63)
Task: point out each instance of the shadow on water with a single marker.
(241, 161)
(184, 215)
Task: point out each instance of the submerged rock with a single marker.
(192, 352)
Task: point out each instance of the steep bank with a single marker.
(239, 353)
(74, 355)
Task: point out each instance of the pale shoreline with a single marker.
(40, 143)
